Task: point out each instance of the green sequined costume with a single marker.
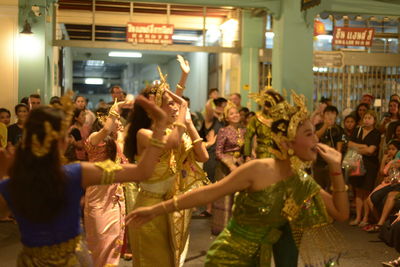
(258, 216)
(258, 125)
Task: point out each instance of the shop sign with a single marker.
(149, 33)
(334, 59)
(306, 4)
(353, 36)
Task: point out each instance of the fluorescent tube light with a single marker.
(124, 54)
(95, 81)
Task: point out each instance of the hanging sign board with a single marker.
(149, 33)
(334, 59)
(353, 36)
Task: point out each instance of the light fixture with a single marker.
(27, 28)
(95, 63)
(94, 81)
(124, 54)
(182, 37)
(229, 25)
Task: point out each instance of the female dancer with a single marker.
(104, 210)
(44, 196)
(230, 141)
(271, 193)
(175, 172)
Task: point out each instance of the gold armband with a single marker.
(197, 140)
(157, 143)
(346, 188)
(179, 124)
(178, 86)
(109, 168)
(175, 201)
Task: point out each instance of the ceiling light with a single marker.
(95, 63)
(185, 37)
(325, 37)
(94, 81)
(124, 54)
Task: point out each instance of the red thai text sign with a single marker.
(149, 33)
(353, 36)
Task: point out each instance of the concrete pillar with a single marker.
(252, 38)
(292, 54)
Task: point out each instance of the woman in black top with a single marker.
(366, 141)
(15, 130)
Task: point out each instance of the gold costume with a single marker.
(259, 125)
(162, 241)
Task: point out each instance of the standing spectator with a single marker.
(229, 154)
(117, 93)
(243, 113)
(361, 109)
(34, 101)
(81, 103)
(396, 132)
(236, 99)
(79, 133)
(366, 141)
(5, 116)
(368, 99)
(395, 97)
(55, 100)
(317, 115)
(331, 134)
(25, 100)
(389, 117)
(349, 124)
(14, 134)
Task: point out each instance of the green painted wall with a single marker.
(252, 41)
(292, 55)
(35, 52)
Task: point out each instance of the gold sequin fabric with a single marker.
(257, 218)
(72, 253)
(258, 126)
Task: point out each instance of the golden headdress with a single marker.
(159, 87)
(102, 117)
(228, 106)
(41, 149)
(286, 118)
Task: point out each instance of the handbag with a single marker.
(353, 162)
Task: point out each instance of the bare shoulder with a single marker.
(260, 165)
(144, 133)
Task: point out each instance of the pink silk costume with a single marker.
(104, 214)
(164, 240)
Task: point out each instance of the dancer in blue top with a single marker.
(44, 196)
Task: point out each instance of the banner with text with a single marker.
(353, 36)
(149, 33)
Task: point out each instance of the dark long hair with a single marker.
(37, 184)
(138, 119)
(111, 147)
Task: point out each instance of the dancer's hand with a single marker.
(155, 112)
(329, 154)
(184, 64)
(140, 216)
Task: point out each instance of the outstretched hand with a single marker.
(329, 154)
(184, 64)
(155, 112)
(140, 216)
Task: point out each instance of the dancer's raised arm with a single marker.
(185, 67)
(91, 174)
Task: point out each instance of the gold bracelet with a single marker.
(197, 140)
(346, 188)
(164, 207)
(157, 143)
(182, 87)
(175, 201)
(179, 124)
(109, 168)
(114, 114)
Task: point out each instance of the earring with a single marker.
(290, 152)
